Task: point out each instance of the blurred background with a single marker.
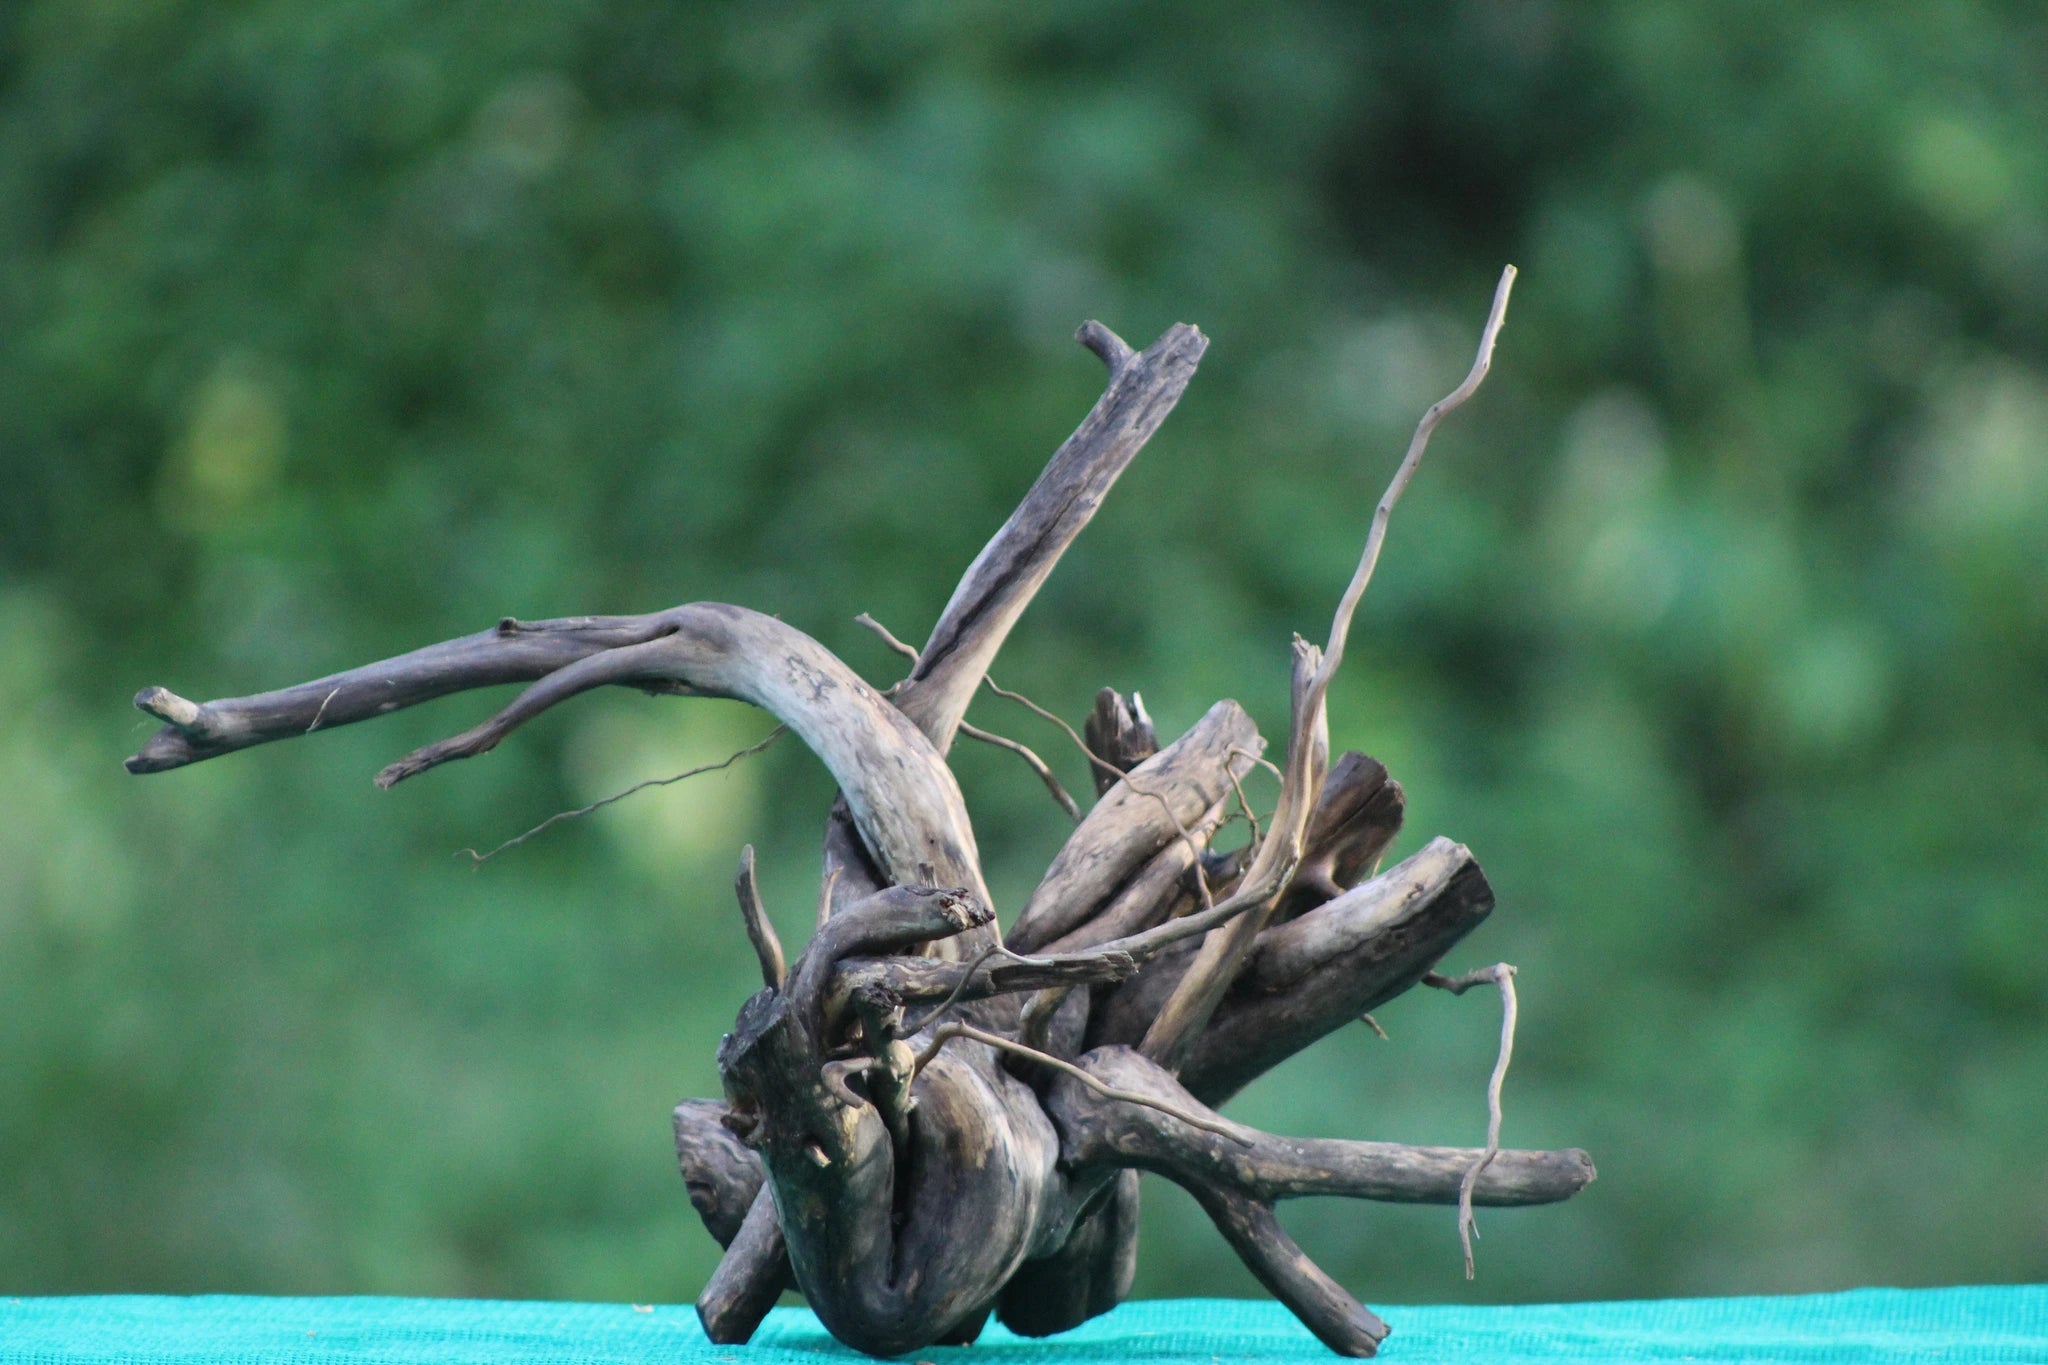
(1716, 625)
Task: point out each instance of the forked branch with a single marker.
(901, 796)
(1024, 751)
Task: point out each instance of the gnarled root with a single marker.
(1237, 1180)
(922, 1123)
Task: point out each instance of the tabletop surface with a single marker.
(2007, 1323)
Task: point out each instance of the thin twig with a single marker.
(1242, 804)
(1220, 1127)
(1079, 743)
(1268, 764)
(972, 731)
(1201, 987)
(1375, 537)
(889, 637)
(953, 996)
(1504, 976)
(479, 859)
(1037, 764)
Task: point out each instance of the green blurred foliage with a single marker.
(1716, 626)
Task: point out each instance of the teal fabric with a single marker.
(1966, 1325)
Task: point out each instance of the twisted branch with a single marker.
(1502, 975)
(1216, 966)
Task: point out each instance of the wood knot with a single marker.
(961, 908)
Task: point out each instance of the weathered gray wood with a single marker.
(1326, 969)
(893, 920)
(848, 875)
(1164, 886)
(512, 651)
(994, 592)
(1266, 1168)
(760, 933)
(875, 1239)
(1001, 582)
(1251, 1032)
(929, 980)
(1287, 952)
(902, 798)
(1185, 1012)
(1088, 1275)
(1144, 811)
(903, 1138)
(1357, 815)
(1325, 1307)
(1237, 1178)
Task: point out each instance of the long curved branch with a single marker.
(1221, 956)
(1143, 388)
(902, 797)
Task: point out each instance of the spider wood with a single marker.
(927, 1120)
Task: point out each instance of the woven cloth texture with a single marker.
(1975, 1324)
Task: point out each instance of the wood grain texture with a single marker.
(1147, 809)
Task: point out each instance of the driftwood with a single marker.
(927, 1121)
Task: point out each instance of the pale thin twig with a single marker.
(1221, 1127)
(1187, 838)
(889, 637)
(479, 859)
(1044, 714)
(1268, 764)
(1192, 1001)
(1340, 628)
(1180, 828)
(959, 988)
(1037, 765)
(1250, 817)
(1504, 976)
(972, 731)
